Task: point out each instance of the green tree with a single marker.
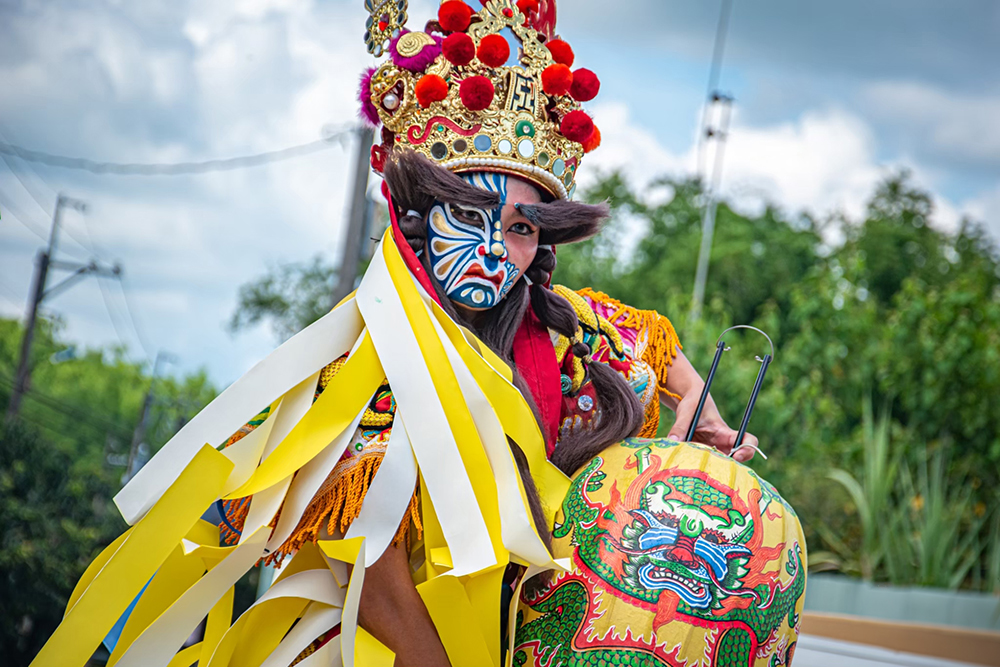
(290, 296)
(60, 466)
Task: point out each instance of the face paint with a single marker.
(466, 248)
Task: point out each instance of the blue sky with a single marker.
(830, 98)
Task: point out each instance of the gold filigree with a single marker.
(386, 19)
(517, 134)
(413, 43)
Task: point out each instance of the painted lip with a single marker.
(476, 271)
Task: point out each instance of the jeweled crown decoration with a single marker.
(454, 93)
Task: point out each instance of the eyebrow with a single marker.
(455, 190)
(563, 221)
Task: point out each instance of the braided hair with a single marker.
(416, 183)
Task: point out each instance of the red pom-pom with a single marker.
(454, 15)
(556, 79)
(431, 88)
(561, 52)
(527, 6)
(585, 85)
(458, 48)
(593, 142)
(577, 126)
(493, 50)
(476, 93)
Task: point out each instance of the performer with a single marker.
(411, 462)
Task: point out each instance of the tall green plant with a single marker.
(944, 540)
(872, 494)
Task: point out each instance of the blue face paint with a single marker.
(466, 248)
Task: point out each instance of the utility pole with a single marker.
(712, 204)
(140, 428)
(707, 131)
(46, 260)
(713, 80)
(351, 250)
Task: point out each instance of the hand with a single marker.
(712, 429)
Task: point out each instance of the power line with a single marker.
(130, 311)
(111, 315)
(34, 196)
(177, 168)
(139, 337)
(79, 413)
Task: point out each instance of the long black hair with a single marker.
(415, 184)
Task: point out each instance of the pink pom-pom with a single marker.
(367, 112)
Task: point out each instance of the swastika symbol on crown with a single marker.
(523, 93)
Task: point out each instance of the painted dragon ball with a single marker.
(680, 556)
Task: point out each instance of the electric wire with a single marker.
(79, 413)
(176, 168)
(129, 310)
(112, 317)
(38, 199)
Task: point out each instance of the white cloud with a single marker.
(956, 125)
(168, 80)
(822, 162)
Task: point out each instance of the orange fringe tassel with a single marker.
(661, 346)
(337, 506)
(663, 343)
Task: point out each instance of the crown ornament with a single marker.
(458, 93)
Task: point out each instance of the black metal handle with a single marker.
(764, 363)
(720, 347)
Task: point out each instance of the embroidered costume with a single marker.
(388, 422)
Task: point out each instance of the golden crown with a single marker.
(455, 93)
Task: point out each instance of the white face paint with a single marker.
(466, 248)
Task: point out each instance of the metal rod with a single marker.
(720, 347)
(765, 362)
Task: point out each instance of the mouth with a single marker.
(476, 271)
(664, 576)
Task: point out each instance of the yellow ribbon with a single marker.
(148, 545)
(333, 411)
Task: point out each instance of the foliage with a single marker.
(898, 314)
(872, 495)
(60, 465)
(55, 515)
(290, 295)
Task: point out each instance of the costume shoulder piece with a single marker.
(647, 334)
(460, 94)
(639, 345)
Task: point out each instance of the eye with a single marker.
(521, 228)
(468, 216)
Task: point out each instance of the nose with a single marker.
(497, 250)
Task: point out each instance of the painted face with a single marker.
(467, 251)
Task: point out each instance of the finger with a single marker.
(682, 422)
(747, 451)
